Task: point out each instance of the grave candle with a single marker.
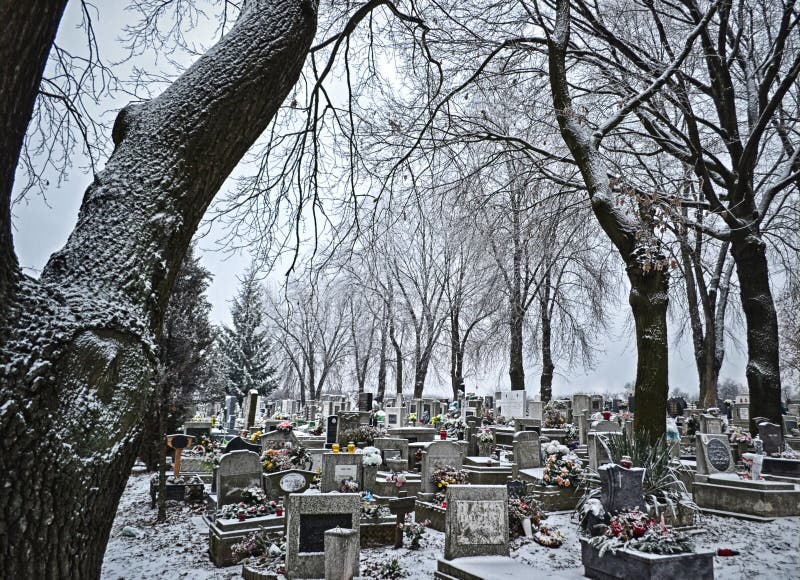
(351, 447)
(443, 434)
(335, 448)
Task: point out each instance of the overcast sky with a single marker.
(41, 227)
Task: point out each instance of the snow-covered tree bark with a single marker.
(77, 346)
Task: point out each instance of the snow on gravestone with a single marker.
(279, 440)
(527, 452)
(713, 454)
(439, 454)
(237, 471)
(476, 521)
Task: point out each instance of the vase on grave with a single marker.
(351, 447)
(370, 475)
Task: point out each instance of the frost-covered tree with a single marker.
(78, 345)
(246, 345)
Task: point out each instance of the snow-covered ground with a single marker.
(178, 548)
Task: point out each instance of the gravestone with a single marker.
(535, 409)
(713, 454)
(476, 521)
(598, 455)
(710, 424)
(331, 431)
(772, 436)
(516, 488)
(279, 440)
(604, 426)
(338, 467)
(392, 447)
(621, 488)
(580, 403)
(347, 420)
(239, 444)
(396, 417)
(282, 483)
(789, 423)
(250, 408)
(308, 517)
(511, 404)
(439, 454)
(230, 412)
(237, 471)
(365, 402)
(527, 451)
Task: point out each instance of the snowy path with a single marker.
(178, 548)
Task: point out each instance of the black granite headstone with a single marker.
(516, 488)
(330, 433)
(365, 402)
(314, 526)
(239, 444)
(772, 436)
(621, 488)
(718, 455)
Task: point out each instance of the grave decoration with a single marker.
(637, 531)
(253, 504)
(524, 515)
(261, 552)
(485, 437)
(443, 477)
(361, 434)
(455, 427)
(552, 418)
(740, 439)
(562, 468)
(275, 460)
(414, 531)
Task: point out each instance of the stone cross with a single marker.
(400, 507)
(178, 442)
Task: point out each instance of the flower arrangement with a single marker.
(485, 435)
(572, 434)
(444, 476)
(282, 459)
(562, 468)
(255, 436)
(372, 456)
(265, 543)
(399, 479)
(436, 419)
(414, 531)
(383, 570)
(553, 419)
(548, 537)
(739, 435)
(253, 504)
(284, 427)
(412, 417)
(635, 530)
(365, 433)
(519, 509)
(318, 429)
(349, 486)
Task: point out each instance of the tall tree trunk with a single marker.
(763, 371)
(456, 354)
(382, 360)
(77, 354)
(516, 368)
(421, 373)
(546, 380)
(648, 300)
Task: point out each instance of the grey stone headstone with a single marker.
(239, 444)
(713, 454)
(439, 454)
(281, 483)
(527, 450)
(605, 427)
(308, 517)
(621, 488)
(338, 467)
(710, 424)
(278, 440)
(772, 435)
(476, 521)
(237, 471)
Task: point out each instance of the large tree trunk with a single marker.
(456, 354)
(648, 300)
(77, 346)
(382, 360)
(546, 379)
(763, 375)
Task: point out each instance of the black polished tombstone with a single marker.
(331, 431)
(239, 444)
(365, 402)
(314, 526)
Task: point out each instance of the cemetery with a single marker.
(400, 289)
(596, 501)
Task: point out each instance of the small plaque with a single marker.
(744, 413)
(718, 455)
(342, 472)
(292, 482)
